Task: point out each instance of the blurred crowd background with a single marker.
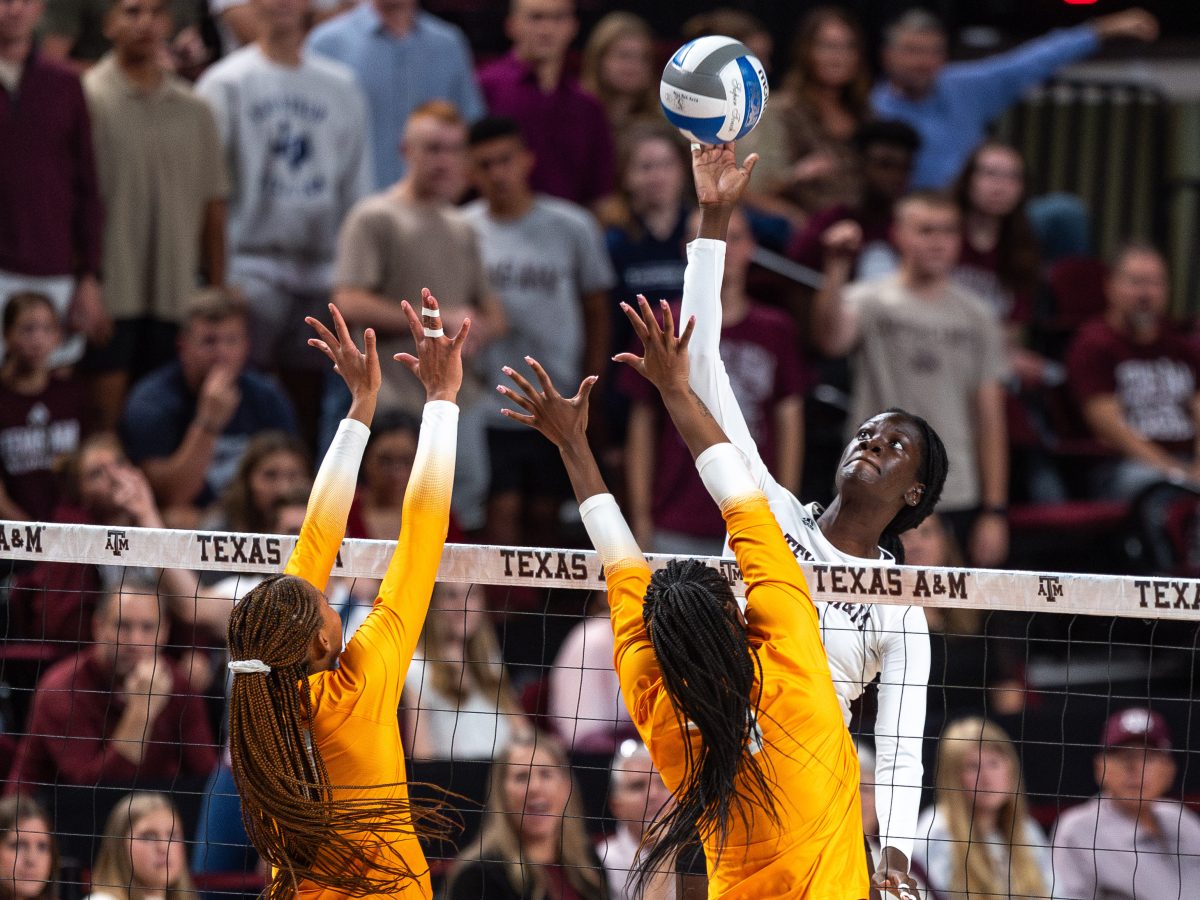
(984, 213)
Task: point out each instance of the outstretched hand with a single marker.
(358, 368)
(665, 364)
(562, 420)
(438, 362)
(719, 178)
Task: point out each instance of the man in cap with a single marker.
(1128, 842)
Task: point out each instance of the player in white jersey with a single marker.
(888, 480)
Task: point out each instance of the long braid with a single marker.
(288, 807)
(712, 674)
(935, 464)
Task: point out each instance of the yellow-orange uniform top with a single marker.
(355, 706)
(815, 850)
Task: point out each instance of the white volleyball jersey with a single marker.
(862, 641)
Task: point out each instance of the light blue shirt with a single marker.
(967, 96)
(398, 74)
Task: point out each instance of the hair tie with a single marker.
(249, 667)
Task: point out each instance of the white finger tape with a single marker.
(434, 332)
(695, 146)
(432, 313)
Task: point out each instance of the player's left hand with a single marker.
(562, 420)
(358, 368)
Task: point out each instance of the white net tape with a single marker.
(993, 589)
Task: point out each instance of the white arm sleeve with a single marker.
(608, 530)
(329, 505)
(900, 728)
(723, 470)
(706, 371)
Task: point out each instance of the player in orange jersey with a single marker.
(738, 711)
(314, 734)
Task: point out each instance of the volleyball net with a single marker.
(517, 638)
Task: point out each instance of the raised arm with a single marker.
(666, 366)
(720, 184)
(563, 422)
(408, 583)
(333, 491)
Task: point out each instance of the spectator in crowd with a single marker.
(806, 159)
(737, 24)
(951, 105)
(28, 851)
(43, 412)
(670, 508)
(533, 841)
(100, 487)
(1136, 376)
(979, 839)
(403, 58)
(142, 853)
(75, 33)
(885, 150)
(162, 177)
(188, 423)
(1000, 261)
(545, 258)
(274, 465)
(566, 128)
(383, 477)
(646, 231)
(118, 711)
(406, 238)
(295, 132)
(458, 702)
(1129, 841)
(410, 236)
(636, 795)
(618, 69)
(585, 705)
(50, 233)
(923, 343)
(237, 22)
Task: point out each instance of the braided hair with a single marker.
(935, 464)
(288, 806)
(712, 676)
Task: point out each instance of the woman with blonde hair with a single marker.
(458, 702)
(142, 854)
(979, 840)
(275, 464)
(533, 844)
(618, 68)
(28, 851)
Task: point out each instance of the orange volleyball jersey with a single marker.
(815, 850)
(355, 706)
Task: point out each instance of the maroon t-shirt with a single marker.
(1155, 383)
(567, 129)
(75, 709)
(34, 431)
(977, 271)
(807, 247)
(764, 368)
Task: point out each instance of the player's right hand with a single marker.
(438, 362)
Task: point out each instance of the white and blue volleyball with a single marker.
(713, 89)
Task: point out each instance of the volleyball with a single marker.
(713, 89)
